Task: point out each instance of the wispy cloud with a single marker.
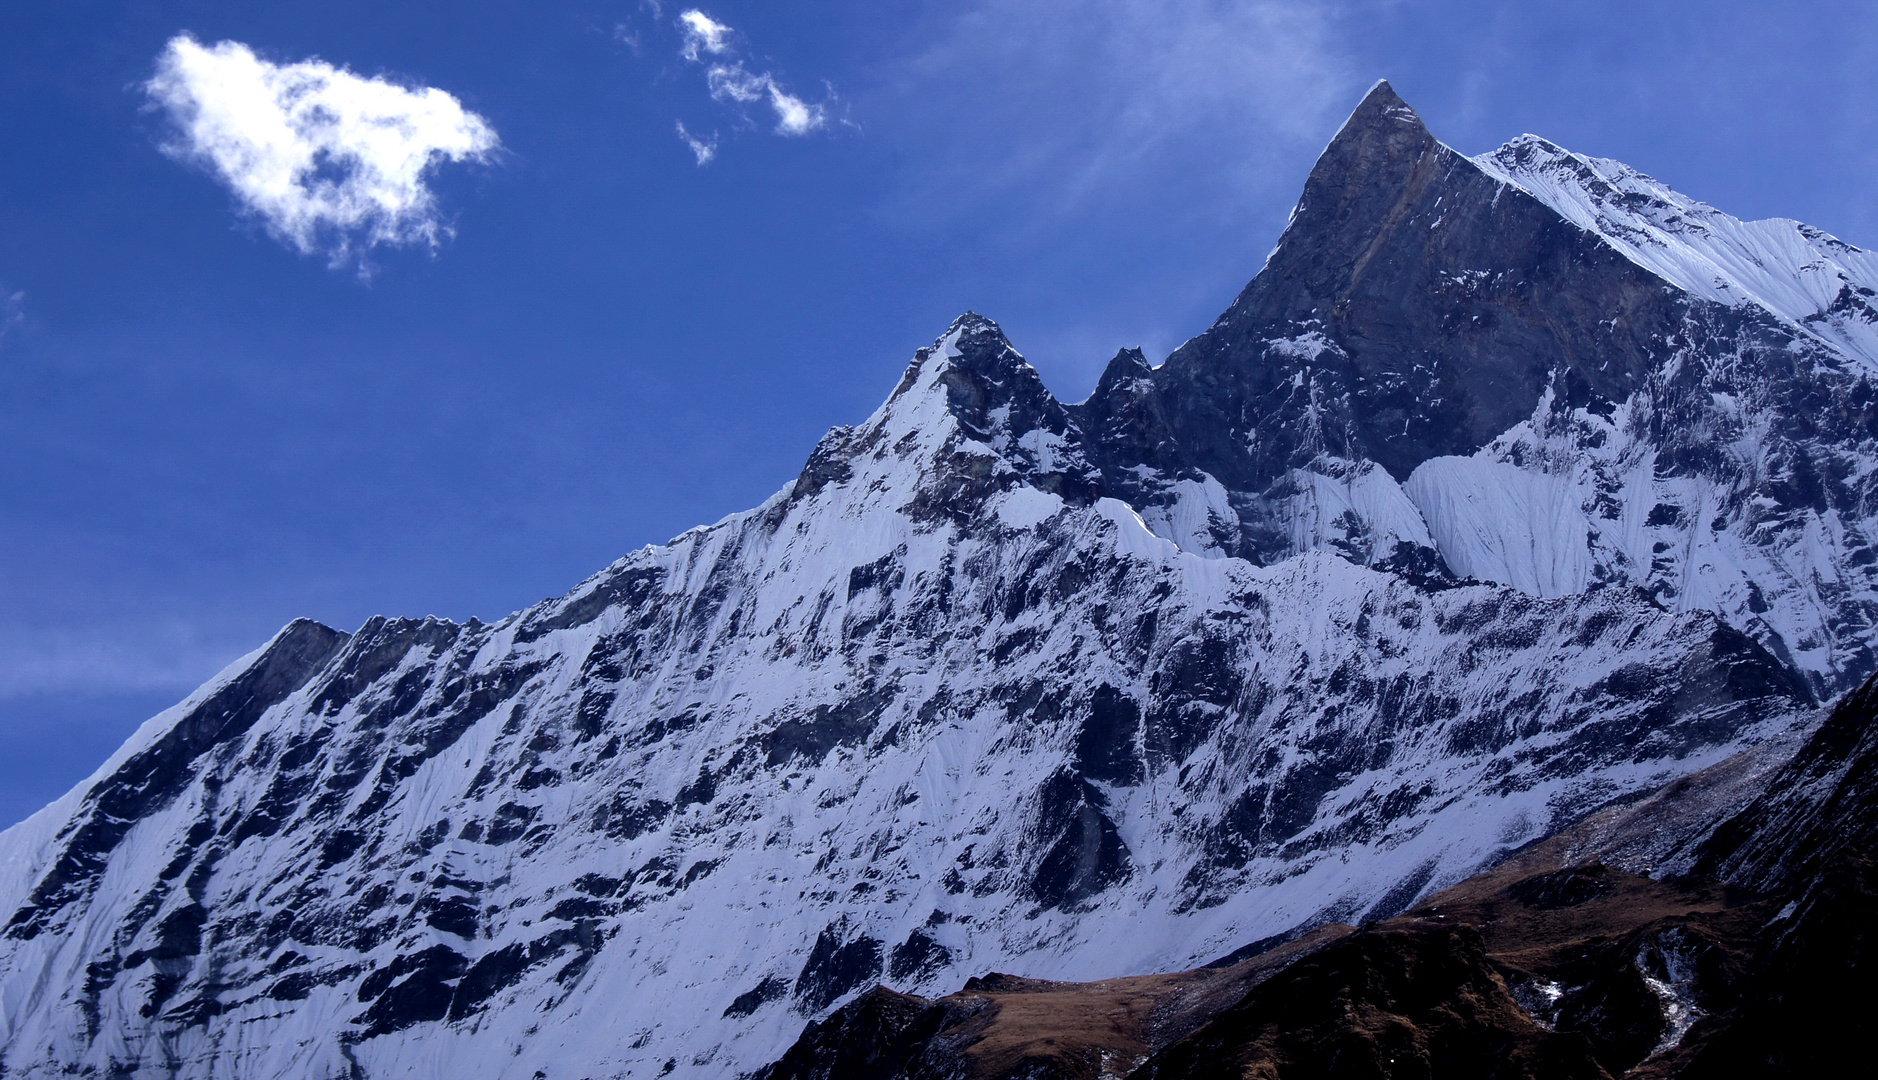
(330, 161)
(712, 45)
(1046, 142)
(703, 36)
(794, 116)
(12, 311)
(705, 151)
(1065, 101)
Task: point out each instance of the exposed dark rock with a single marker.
(701, 790)
(412, 989)
(826, 727)
(827, 465)
(631, 588)
(919, 955)
(1105, 746)
(1087, 856)
(1406, 378)
(836, 967)
(626, 819)
(1810, 1007)
(1003, 1027)
(1563, 888)
(454, 915)
(877, 1036)
(1823, 800)
(748, 1002)
(502, 968)
(510, 822)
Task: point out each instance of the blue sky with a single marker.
(211, 423)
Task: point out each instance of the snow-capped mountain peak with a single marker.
(973, 378)
(969, 415)
(1536, 368)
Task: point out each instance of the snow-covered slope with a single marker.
(1704, 499)
(936, 708)
(1495, 521)
(1816, 283)
(1460, 522)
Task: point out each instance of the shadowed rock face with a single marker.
(1007, 1027)
(1823, 801)
(1808, 1006)
(1415, 307)
(1401, 1001)
(152, 778)
(1414, 997)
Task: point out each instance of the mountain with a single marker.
(1465, 520)
(1715, 928)
(1552, 372)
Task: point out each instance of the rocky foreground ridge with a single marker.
(1511, 486)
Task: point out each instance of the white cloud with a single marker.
(12, 311)
(331, 161)
(702, 35)
(793, 115)
(705, 151)
(731, 82)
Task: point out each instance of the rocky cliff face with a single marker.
(998, 682)
(1680, 934)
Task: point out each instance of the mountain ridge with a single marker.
(994, 682)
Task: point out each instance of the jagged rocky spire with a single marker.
(1424, 305)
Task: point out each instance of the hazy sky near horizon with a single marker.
(338, 309)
